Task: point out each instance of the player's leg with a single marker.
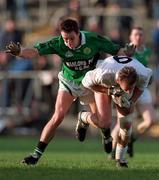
(84, 122)
(148, 114)
(100, 117)
(104, 114)
(102, 120)
(122, 139)
(147, 111)
(63, 102)
(114, 134)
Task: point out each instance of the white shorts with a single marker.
(85, 96)
(145, 97)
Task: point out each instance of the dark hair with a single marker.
(69, 25)
(137, 28)
(128, 74)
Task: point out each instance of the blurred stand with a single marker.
(35, 105)
(155, 45)
(28, 90)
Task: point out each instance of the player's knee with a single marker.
(104, 122)
(125, 128)
(125, 122)
(124, 135)
(125, 132)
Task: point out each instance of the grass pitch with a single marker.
(68, 159)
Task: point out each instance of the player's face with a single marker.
(137, 37)
(126, 87)
(71, 40)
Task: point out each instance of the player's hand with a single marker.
(129, 49)
(13, 48)
(124, 102)
(125, 111)
(30, 160)
(121, 101)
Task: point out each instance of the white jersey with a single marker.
(107, 70)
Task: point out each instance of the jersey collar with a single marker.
(83, 40)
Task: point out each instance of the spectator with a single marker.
(21, 10)
(125, 21)
(155, 41)
(47, 81)
(149, 8)
(11, 8)
(115, 36)
(11, 33)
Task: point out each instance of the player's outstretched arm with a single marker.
(16, 50)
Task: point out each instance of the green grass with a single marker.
(68, 159)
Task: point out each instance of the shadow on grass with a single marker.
(70, 160)
(47, 173)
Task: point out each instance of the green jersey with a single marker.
(76, 62)
(143, 56)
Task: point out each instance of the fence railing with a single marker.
(37, 79)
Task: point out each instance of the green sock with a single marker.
(38, 151)
(105, 132)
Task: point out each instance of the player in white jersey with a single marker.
(144, 105)
(123, 80)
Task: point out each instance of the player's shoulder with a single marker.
(92, 35)
(89, 33)
(149, 50)
(140, 68)
(52, 42)
(122, 59)
(55, 39)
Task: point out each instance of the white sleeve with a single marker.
(92, 78)
(144, 79)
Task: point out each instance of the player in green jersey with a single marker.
(79, 52)
(144, 104)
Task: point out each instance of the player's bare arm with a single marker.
(29, 53)
(136, 94)
(16, 50)
(99, 88)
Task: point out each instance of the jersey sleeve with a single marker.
(46, 48)
(92, 78)
(107, 46)
(149, 52)
(144, 79)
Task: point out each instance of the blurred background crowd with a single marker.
(28, 88)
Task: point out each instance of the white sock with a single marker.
(84, 116)
(124, 151)
(120, 152)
